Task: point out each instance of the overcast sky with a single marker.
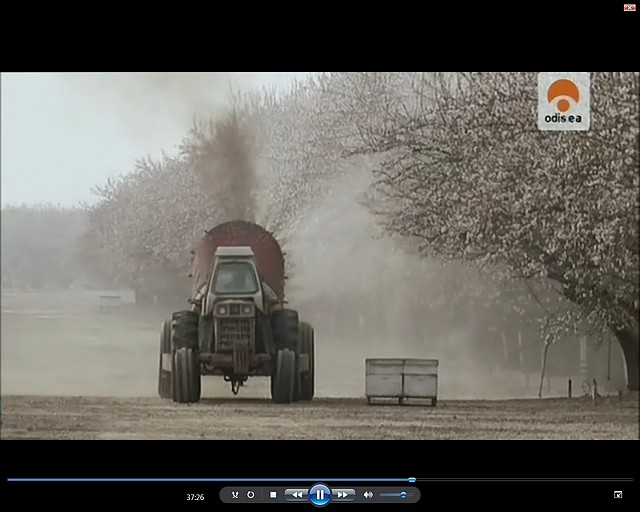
(63, 133)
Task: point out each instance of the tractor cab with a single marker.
(234, 278)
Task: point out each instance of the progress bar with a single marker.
(211, 479)
(410, 480)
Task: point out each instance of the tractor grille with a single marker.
(233, 331)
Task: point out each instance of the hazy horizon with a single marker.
(65, 133)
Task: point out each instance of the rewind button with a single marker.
(296, 494)
(343, 494)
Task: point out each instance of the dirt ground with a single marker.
(149, 418)
(71, 371)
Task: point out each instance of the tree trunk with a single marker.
(629, 341)
(544, 367)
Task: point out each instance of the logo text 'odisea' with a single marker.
(564, 101)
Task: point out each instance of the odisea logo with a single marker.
(564, 101)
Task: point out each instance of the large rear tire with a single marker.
(166, 354)
(284, 378)
(307, 347)
(184, 329)
(285, 326)
(186, 376)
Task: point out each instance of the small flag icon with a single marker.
(629, 7)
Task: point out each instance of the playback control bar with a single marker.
(319, 495)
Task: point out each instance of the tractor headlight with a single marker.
(222, 310)
(247, 309)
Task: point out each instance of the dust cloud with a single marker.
(368, 298)
(166, 106)
(226, 165)
(148, 104)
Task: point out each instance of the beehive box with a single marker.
(109, 301)
(403, 381)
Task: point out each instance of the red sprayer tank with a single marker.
(269, 256)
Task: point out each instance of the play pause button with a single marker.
(343, 494)
(319, 495)
(296, 494)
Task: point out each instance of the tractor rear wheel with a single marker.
(306, 388)
(164, 371)
(184, 329)
(284, 377)
(186, 376)
(285, 326)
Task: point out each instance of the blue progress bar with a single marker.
(210, 479)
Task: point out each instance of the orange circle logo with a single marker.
(563, 90)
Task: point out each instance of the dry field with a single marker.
(70, 371)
